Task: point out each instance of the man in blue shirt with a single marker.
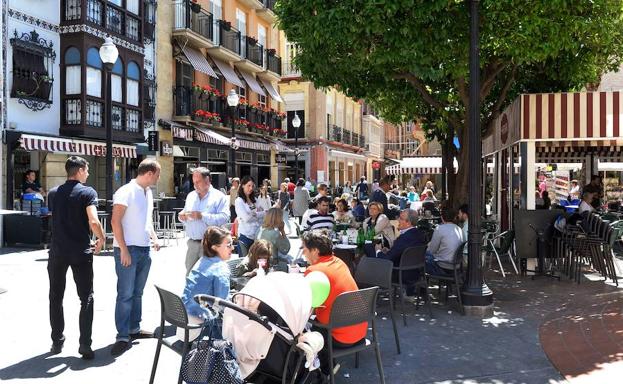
(204, 206)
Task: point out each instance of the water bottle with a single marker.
(361, 237)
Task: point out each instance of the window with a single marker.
(73, 75)
(117, 2)
(261, 38)
(132, 6)
(242, 92)
(116, 81)
(132, 84)
(94, 73)
(31, 60)
(216, 7)
(241, 24)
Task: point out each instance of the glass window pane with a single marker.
(116, 90)
(93, 58)
(133, 71)
(94, 82)
(132, 6)
(118, 67)
(72, 79)
(132, 92)
(72, 56)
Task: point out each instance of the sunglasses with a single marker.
(228, 245)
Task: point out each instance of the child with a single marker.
(260, 250)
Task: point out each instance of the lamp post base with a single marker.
(477, 296)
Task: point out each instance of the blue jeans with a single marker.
(433, 268)
(247, 242)
(130, 284)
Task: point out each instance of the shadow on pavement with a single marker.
(48, 365)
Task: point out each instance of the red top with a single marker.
(341, 281)
(291, 187)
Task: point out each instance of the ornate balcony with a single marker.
(227, 42)
(197, 27)
(253, 54)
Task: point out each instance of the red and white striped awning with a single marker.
(209, 136)
(74, 146)
(417, 166)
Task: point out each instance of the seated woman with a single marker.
(358, 210)
(342, 214)
(209, 276)
(260, 250)
(380, 223)
(273, 231)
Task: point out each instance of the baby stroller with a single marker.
(264, 323)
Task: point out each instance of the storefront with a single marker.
(47, 154)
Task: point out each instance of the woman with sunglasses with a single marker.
(250, 215)
(210, 275)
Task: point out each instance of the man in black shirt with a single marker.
(380, 195)
(596, 188)
(30, 184)
(74, 207)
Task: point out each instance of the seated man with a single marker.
(409, 236)
(318, 250)
(446, 239)
(319, 218)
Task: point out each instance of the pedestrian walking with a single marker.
(133, 227)
(361, 189)
(205, 206)
(283, 197)
(301, 200)
(75, 216)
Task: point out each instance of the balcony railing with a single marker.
(253, 51)
(73, 112)
(187, 101)
(273, 62)
(95, 10)
(341, 135)
(132, 28)
(335, 133)
(122, 118)
(270, 4)
(115, 20)
(198, 22)
(116, 120)
(94, 113)
(228, 36)
(73, 10)
(290, 70)
(133, 120)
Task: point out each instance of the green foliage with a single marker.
(410, 57)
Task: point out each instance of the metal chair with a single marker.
(172, 310)
(505, 248)
(352, 308)
(455, 279)
(413, 259)
(378, 272)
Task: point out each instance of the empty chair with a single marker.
(351, 308)
(505, 248)
(413, 260)
(172, 311)
(378, 272)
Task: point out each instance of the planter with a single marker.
(195, 7)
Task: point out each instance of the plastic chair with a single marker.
(172, 310)
(378, 272)
(413, 259)
(456, 278)
(352, 308)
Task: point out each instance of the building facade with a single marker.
(206, 49)
(55, 87)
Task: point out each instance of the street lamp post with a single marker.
(476, 293)
(108, 54)
(232, 101)
(296, 123)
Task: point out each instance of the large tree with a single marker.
(410, 57)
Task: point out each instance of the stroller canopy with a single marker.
(288, 295)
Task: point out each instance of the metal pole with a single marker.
(232, 152)
(108, 125)
(475, 292)
(296, 154)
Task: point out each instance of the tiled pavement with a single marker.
(513, 346)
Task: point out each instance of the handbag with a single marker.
(211, 361)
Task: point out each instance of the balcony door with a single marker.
(241, 24)
(216, 7)
(261, 38)
(183, 94)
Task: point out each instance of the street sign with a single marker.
(152, 141)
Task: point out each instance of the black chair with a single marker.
(172, 310)
(378, 272)
(455, 278)
(351, 308)
(413, 259)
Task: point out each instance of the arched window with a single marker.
(116, 81)
(72, 71)
(132, 84)
(94, 73)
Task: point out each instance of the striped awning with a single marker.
(281, 147)
(417, 166)
(228, 72)
(212, 137)
(271, 90)
(198, 61)
(255, 86)
(255, 145)
(577, 151)
(74, 146)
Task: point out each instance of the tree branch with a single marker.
(421, 88)
(496, 110)
(489, 80)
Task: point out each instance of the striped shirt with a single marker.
(318, 221)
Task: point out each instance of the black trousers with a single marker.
(83, 277)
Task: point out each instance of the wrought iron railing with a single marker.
(115, 20)
(198, 22)
(133, 120)
(116, 119)
(95, 11)
(187, 101)
(73, 10)
(73, 111)
(133, 28)
(228, 36)
(290, 70)
(273, 62)
(253, 51)
(94, 113)
(270, 4)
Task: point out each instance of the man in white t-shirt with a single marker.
(133, 228)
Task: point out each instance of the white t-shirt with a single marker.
(137, 222)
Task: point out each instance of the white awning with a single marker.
(255, 86)
(271, 90)
(74, 146)
(348, 155)
(198, 61)
(417, 165)
(228, 72)
(208, 136)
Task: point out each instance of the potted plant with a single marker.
(225, 24)
(196, 88)
(271, 52)
(195, 6)
(198, 115)
(251, 40)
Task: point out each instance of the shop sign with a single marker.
(152, 141)
(183, 133)
(166, 148)
(280, 158)
(100, 150)
(376, 165)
